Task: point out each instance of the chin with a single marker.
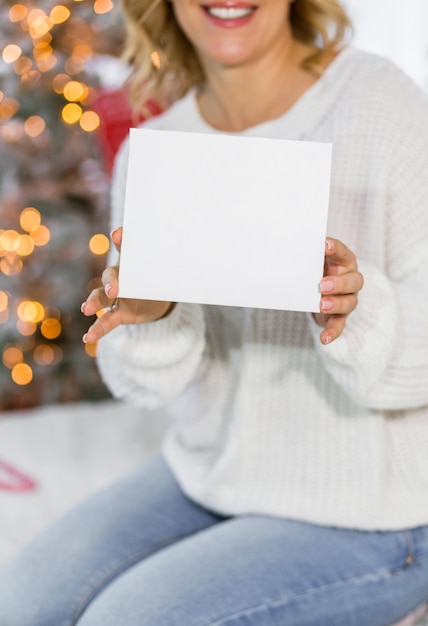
(229, 56)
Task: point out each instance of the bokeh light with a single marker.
(50, 328)
(41, 235)
(26, 328)
(91, 349)
(47, 354)
(4, 301)
(71, 113)
(30, 219)
(30, 311)
(10, 265)
(11, 53)
(24, 245)
(34, 125)
(75, 91)
(89, 121)
(103, 6)
(22, 374)
(99, 244)
(59, 14)
(8, 240)
(59, 81)
(12, 354)
(17, 12)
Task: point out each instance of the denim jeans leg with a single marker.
(263, 571)
(51, 581)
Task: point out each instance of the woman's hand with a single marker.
(118, 311)
(339, 289)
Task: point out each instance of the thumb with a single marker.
(116, 237)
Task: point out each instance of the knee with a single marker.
(24, 599)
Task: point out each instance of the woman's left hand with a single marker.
(339, 289)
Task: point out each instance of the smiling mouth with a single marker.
(227, 13)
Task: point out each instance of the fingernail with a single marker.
(326, 305)
(113, 231)
(327, 339)
(330, 244)
(107, 288)
(326, 285)
(83, 306)
(85, 338)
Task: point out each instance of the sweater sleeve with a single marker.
(381, 359)
(149, 364)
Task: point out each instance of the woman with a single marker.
(292, 485)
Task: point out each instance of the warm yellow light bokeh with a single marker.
(24, 245)
(30, 311)
(34, 15)
(12, 355)
(50, 328)
(40, 235)
(4, 301)
(82, 52)
(99, 244)
(47, 64)
(59, 14)
(45, 354)
(17, 12)
(91, 349)
(8, 107)
(22, 374)
(11, 53)
(8, 239)
(10, 265)
(89, 121)
(22, 65)
(59, 81)
(34, 125)
(26, 328)
(74, 91)
(71, 113)
(30, 219)
(40, 26)
(103, 6)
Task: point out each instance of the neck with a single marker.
(236, 98)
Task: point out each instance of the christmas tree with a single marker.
(55, 61)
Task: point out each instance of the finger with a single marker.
(103, 325)
(333, 329)
(110, 282)
(116, 237)
(338, 305)
(348, 283)
(95, 302)
(338, 255)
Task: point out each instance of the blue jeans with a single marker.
(140, 553)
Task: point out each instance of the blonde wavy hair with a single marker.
(164, 65)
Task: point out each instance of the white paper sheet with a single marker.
(225, 219)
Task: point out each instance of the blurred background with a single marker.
(61, 118)
(63, 114)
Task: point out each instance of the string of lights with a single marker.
(53, 194)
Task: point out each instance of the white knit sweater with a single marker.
(266, 419)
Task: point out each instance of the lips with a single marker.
(229, 14)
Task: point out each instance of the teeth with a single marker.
(229, 13)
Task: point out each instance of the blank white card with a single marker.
(225, 219)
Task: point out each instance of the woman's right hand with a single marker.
(118, 310)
